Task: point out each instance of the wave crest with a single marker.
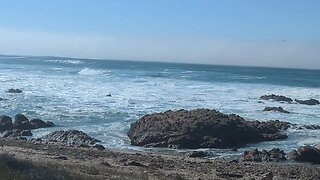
(91, 72)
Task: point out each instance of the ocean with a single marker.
(72, 93)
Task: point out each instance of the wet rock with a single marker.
(274, 155)
(38, 123)
(71, 137)
(310, 102)
(14, 91)
(276, 109)
(1, 99)
(202, 128)
(276, 98)
(5, 123)
(310, 127)
(21, 122)
(306, 154)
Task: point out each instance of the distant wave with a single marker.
(65, 61)
(92, 72)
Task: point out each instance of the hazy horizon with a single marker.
(241, 33)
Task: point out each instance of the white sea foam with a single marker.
(79, 101)
(92, 72)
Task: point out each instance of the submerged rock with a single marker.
(276, 98)
(70, 137)
(274, 155)
(308, 102)
(277, 109)
(14, 91)
(306, 154)
(202, 128)
(310, 127)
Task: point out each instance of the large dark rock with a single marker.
(274, 155)
(276, 98)
(38, 123)
(14, 91)
(201, 128)
(5, 123)
(306, 154)
(277, 109)
(72, 137)
(308, 102)
(21, 122)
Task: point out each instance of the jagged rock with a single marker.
(308, 102)
(70, 137)
(277, 109)
(306, 154)
(201, 128)
(14, 91)
(15, 133)
(276, 98)
(274, 155)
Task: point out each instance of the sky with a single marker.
(277, 33)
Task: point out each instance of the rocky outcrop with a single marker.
(21, 126)
(274, 155)
(14, 91)
(276, 98)
(70, 137)
(202, 128)
(306, 154)
(22, 122)
(276, 109)
(15, 133)
(310, 102)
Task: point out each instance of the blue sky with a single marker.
(240, 32)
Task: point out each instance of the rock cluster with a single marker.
(281, 98)
(276, 109)
(202, 128)
(306, 154)
(274, 155)
(14, 91)
(310, 102)
(276, 98)
(21, 126)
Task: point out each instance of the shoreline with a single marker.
(111, 164)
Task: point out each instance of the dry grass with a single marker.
(13, 168)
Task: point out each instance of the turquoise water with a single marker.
(72, 94)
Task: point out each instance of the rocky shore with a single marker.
(72, 154)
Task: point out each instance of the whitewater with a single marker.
(74, 94)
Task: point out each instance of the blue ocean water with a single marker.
(73, 94)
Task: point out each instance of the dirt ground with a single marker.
(88, 163)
